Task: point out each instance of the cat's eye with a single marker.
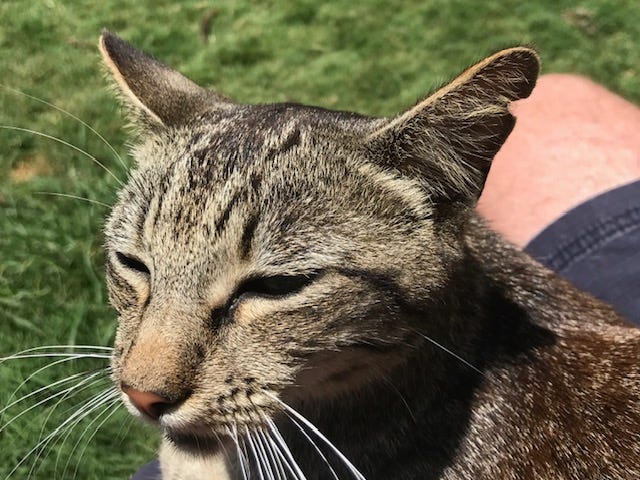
(132, 263)
(275, 286)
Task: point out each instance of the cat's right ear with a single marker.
(157, 95)
(450, 138)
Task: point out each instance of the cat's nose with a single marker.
(149, 403)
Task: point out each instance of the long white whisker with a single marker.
(68, 347)
(356, 473)
(315, 446)
(125, 428)
(254, 451)
(41, 389)
(25, 381)
(277, 456)
(296, 471)
(93, 404)
(285, 460)
(234, 436)
(70, 145)
(45, 400)
(275, 460)
(70, 394)
(270, 468)
(55, 355)
(114, 405)
(74, 197)
(84, 405)
(429, 339)
(44, 442)
(75, 446)
(224, 448)
(104, 140)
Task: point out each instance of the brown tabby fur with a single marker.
(420, 343)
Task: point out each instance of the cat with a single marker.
(305, 293)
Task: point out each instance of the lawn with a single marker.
(376, 57)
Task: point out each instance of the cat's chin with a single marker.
(196, 444)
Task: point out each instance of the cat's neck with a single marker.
(499, 314)
(548, 300)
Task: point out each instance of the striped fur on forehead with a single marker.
(209, 171)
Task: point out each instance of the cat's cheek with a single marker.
(253, 310)
(127, 292)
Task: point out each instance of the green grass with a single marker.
(376, 57)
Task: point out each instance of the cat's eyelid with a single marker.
(276, 285)
(132, 262)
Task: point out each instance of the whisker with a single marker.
(224, 448)
(429, 339)
(315, 446)
(125, 428)
(104, 140)
(68, 347)
(94, 404)
(45, 400)
(41, 369)
(70, 356)
(253, 450)
(241, 460)
(71, 394)
(321, 436)
(294, 468)
(281, 458)
(44, 442)
(395, 390)
(114, 405)
(75, 446)
(284, 460)
(41, 389)
(269, 465)
(96, 348)
(70, 145)
(275, 460)
(74, 197)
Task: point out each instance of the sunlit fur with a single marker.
(423, 347)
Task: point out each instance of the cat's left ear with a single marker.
(157, 95)
(449, 139)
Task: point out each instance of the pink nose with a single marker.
(149, 403)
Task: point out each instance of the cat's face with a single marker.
(250, 253)
(281, 251)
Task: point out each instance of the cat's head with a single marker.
(282, 251)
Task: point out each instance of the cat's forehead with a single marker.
(263, 118)
(261, 132)
(286, 168)
(235, 137)
(283, 150)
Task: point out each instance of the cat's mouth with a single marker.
(198, 442)
(199, 431)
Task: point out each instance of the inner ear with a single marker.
(156, 93)
(450, 138)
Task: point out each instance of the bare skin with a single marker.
(573, 140)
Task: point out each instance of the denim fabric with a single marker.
(150, 471)
(596, 246)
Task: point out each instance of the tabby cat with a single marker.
(305, 293)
